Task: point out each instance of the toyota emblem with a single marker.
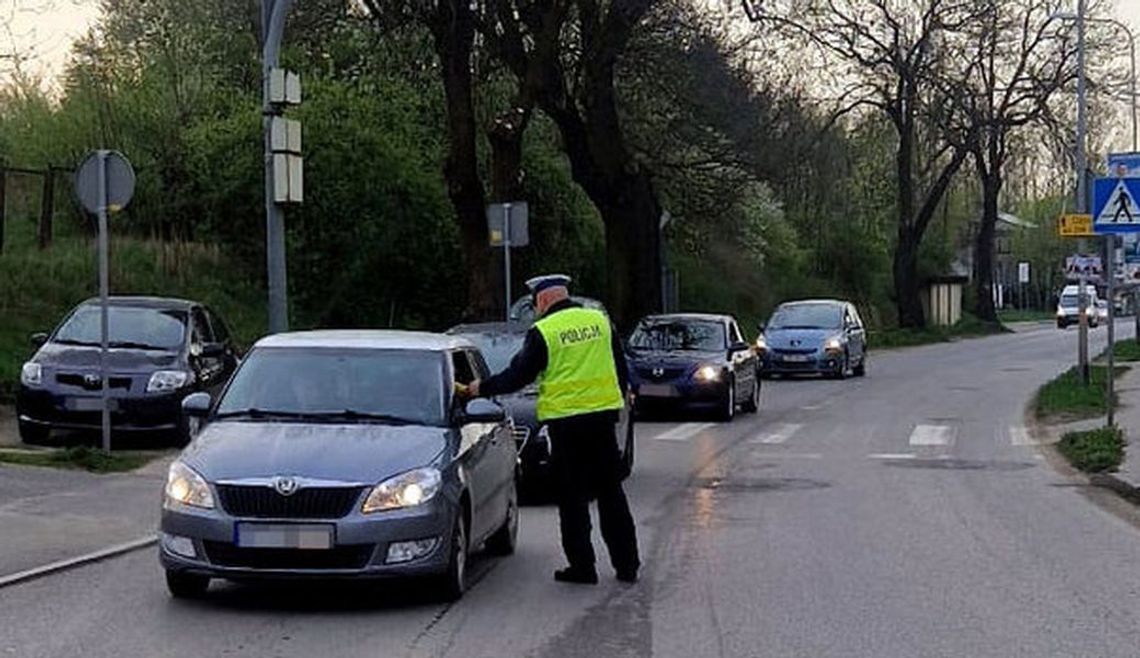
(658, 372)
(286, 486)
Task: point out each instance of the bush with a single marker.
(1094, 451)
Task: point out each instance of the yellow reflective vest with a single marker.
(580, 375)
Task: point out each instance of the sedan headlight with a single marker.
(186, 487)
(166, 381)
(405, 490)
(833, 344)
(708, 374)
(32, 374)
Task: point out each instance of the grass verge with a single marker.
(1065, 398)
(79, 458)
(1094, 451)
(1017, 315)
(1127, 351)
(968, 327)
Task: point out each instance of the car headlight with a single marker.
(405, 490)
(186, 487)
(32, 374)
(833, 344)
(165, 381)
(708, 373)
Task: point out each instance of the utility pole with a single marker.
(1082, 189)
(273, 13)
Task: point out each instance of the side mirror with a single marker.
(196, 405)
(213, 350)
(738, 347)
(483, 411)
(38, 339)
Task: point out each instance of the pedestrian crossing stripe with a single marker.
(1115, 208)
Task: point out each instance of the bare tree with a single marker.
(887, 55)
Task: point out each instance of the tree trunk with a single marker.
(984, 245)
(453, 29)
(908, 289)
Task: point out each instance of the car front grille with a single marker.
(80, 381)
(665, 373)
(340, 557)
(264, 502)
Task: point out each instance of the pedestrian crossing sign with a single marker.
(1115, 208)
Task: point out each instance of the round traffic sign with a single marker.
(119, 181)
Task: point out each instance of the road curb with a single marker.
(76, 562)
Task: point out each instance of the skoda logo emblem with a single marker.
(658, 372)
(286, 486)
(91, 380)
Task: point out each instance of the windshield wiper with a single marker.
(352, 414)
(256, 414)
(72, 341)
(130, 344)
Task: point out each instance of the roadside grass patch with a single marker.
(1019, 315)
(79, 458)
(1094, 451)
(968, 327)
(1127, 351)
(1066, 398)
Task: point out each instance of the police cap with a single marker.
(540, 283)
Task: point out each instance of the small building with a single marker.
(942, 299)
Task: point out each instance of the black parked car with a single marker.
(824, 336)
(160, 351)
(499, 342)
(694, 360)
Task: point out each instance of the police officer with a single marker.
(577, 359)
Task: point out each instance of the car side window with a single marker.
(734, 333)
(221, 331)
(854, 312)
(200, 333)
(479, 365)
(462, 366)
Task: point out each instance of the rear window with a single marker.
(698, 335)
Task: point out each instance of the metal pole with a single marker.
(507, 257)
(1082, 187)
(104, 288)
(273, 14)
(1110, 273)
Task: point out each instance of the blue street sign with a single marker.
(1115, 208)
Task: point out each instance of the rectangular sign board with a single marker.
(1089, 266)
(1075, 226)
(497, 215)
(1023, 272)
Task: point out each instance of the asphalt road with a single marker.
(905, 514)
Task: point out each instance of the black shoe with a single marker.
(627, 575)
(578, 576)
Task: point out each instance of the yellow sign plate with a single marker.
(1076, 226)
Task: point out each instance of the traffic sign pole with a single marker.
(1110, 275)
(104, 293)
(507, 256)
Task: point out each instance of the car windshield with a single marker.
(807, 316)
(1069, 301)
(127, 326)
(339, 384)
(497, 349)
(699, 335)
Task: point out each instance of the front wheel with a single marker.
(34, 434)
(728, 404)
(752, 404)
(186, 585)
(454, 581)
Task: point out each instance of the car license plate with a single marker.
(89, 404)
(796, 358)
(311, 536)
(657, 391)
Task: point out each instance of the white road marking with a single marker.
(778, 434)
(1020, 436)
(787, 455)
(684, 432)
(892, 455)
(931, 435)
(812, 407)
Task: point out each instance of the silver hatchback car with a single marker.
(342, 454)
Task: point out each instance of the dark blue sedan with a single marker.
(692, 360)
(815, 336)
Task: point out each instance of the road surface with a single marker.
(905, 514)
